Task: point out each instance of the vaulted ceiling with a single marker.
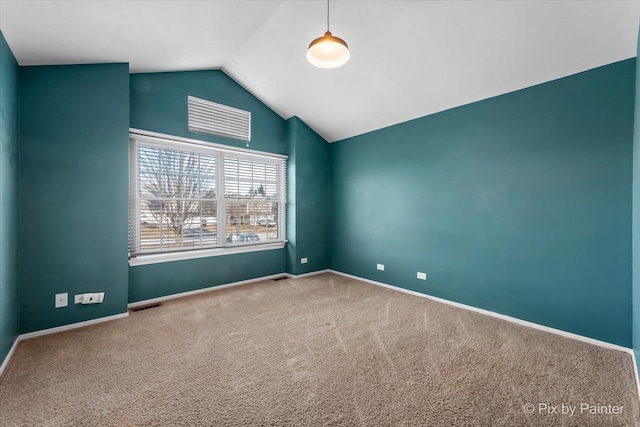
(408, 58)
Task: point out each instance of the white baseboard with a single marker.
(71, 326)
(7, 359)
(55, 330)
(226, 285)
(497, 315)
(566, 334)
(509, 319)
(635, 370)
(313, 273)
(200, 291)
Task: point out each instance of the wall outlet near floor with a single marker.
(90, 298)
(62, 300)
(422, 276)
(303, 260)
(381, 267)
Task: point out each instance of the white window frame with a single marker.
(137, 136)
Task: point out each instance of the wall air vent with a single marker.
(217, 119)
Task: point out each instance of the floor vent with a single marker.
(279, 278)
(144, 307)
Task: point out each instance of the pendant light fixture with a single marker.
(328, 51)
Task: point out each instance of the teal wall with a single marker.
(636, 215)
(8, 198)
(308, 198)
(159, 104)
(157, 280)
(74, 124)
(519, 204)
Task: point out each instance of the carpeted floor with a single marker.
(322, 350)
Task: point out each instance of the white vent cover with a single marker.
(217, 119)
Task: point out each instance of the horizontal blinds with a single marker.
(177, 203)
(254, 197)
(188, 199)
(250, 179)
(217, 119)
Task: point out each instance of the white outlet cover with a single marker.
(78, 299)
(381, 267)
(62, 300)
(93, 298)
(303, 261)
(422, 276)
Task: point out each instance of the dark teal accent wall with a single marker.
(73, 185)
(9, 110)
(519, 204)
(308, 199)
(636, 214)
(159, 104)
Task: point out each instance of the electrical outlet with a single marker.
(62, 300)
(303, 260)
(422, 276)
(78, 299)
(94, 298)
(381, 267)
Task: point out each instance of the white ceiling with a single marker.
(408, 58)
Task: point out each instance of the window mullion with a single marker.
(221, 205)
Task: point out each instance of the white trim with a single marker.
(200, 291)
(313, 273)
(497, 315)
(71, 326)
(219, 147)
(635, 370)
(7, 359)
(203, 253)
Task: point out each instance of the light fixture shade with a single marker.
(328, 51)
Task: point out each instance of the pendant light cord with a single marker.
(327, 15)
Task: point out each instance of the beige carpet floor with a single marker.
(322, 350)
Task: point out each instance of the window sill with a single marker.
(205, 253)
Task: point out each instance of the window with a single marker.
(188, 196)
